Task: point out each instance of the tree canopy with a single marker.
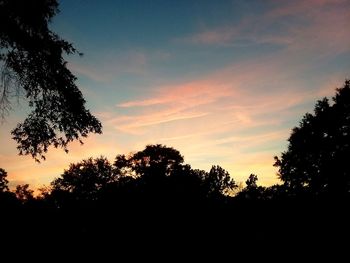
(218, 182)
(154, 161)
(155, 174)
(85, 179)
(316, 160)
(33, 65)
(24, 193)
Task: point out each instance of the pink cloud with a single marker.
(225, 114)
(136, 124)
(222, 93)
(190, 94)
(301, 7)
(176, 102)
(324, 28)
(327, 33)
(141, 103)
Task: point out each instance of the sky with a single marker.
(223, 82)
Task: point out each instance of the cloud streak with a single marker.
(108, 66)
(188, 94)
(313, 25)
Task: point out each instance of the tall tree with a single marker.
(316, 160)
(32, 64)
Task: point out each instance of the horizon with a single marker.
(223, 83)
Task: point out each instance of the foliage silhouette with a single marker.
(155, 176)
(84, 180)
(254, 192)
(23, 193)
(33, 65)
(8, 200)
(153, 169)
(151, 200)
(252, 181)
(153, 161)
(315, 162)
(3, 181)
(218, 182)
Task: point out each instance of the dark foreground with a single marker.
(237, 229)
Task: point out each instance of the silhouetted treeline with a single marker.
(153, 197)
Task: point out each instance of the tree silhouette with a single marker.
(252, 191)
(218, 182)
(44, 192)
(154, 169)
(3, 181)
(31, 56)
(84, 180)
(23, 193)
(316, 160)
(155, 161)
(8, 199)
(252, 181)
(186, 184)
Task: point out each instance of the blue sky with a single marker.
(224, 82)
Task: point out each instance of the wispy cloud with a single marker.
(107, 67)
(315, 25)
(177, 102)
(89, 72)
(136, 124)
(232, 94)
(303, 7)
(187, 94)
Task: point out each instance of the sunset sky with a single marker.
(223, 82)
